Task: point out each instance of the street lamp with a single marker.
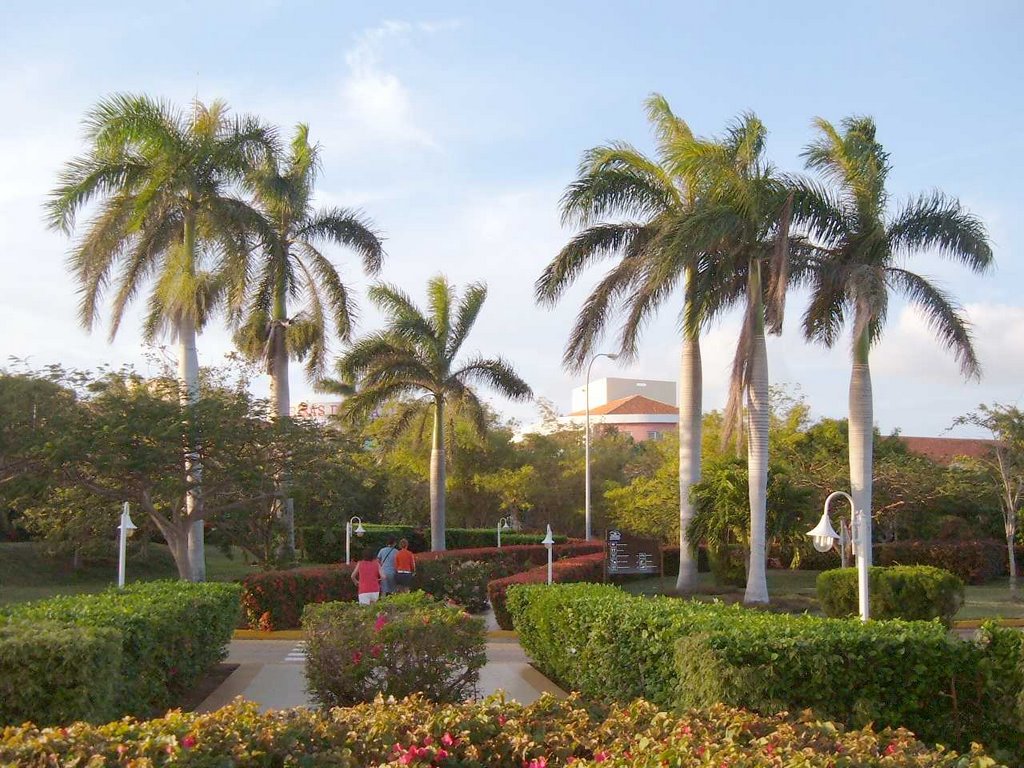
(126, 528)
(348, 535)
(586, 439)
(549, 542)
(503, 525)
(824, 537)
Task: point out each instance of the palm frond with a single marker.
(496, 373)
(593, 244)
(934, 221)
(348, 228)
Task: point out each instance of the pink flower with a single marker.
(378, 625)
(406, 758)
(357, 657)
(396, 748)
(189, 741)
(375, 651)
(600, 757)
(441, 754)
(502, 719)
(889, 750)
(428, 740)
(448, 741)
(537, 762)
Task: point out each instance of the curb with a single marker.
(297, 634)
(976, 623)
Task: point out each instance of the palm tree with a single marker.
(857, 263)
(415, 357)
(163, 180)
(741, 222)
(293, 266)
(646, 199)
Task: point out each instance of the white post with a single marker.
(126, 527)
(348, 542)
(549, 542)
(499, 533)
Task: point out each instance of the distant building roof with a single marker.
(945, 450)
(629, 406)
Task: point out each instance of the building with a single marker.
(946, 450)
(643, 408)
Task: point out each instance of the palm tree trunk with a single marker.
(188, 378)
(757, 448)
(690, 413)
(281, 399)
(861, 438)
(437, 479)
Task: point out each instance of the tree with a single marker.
(629, 206)
(292, 265)
(860, 250)
(741, 222)
(1006, 465)
(163, 181)
(414, 360)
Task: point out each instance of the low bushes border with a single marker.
(589, 568)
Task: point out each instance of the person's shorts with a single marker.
(365, 598)
(403, 578)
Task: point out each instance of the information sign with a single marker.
(628, 554)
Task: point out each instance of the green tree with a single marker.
(858, 264)
(164, 182)
(1005, 464)
(291, 265)
(630, 206)
(415, 358)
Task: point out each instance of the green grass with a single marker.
(796, 591)
(26, 573)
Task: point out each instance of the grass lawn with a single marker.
(795, 591)
(27, 574)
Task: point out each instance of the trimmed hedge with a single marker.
(327, 545)
(614, 647)
(975, 562)
(275, 599)
(487, 734)
(574, 569)
(911, 592)
(57, 673)
(171, 633)
(398, 646)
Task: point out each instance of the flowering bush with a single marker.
(398, 646)
(487, 734)
(275, 599)
(582, 568)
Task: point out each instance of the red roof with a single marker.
(634, 405)
(945, 450)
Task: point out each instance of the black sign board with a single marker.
(626, 554)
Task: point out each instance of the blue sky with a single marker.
(456, 126)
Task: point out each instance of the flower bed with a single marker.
(275, 599)
(613, 647)
(488, 734)
(573, 569)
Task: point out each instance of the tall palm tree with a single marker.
(413, 361)
(166, 216)
(292, 266)
(741, 222)
(629, 205)
(858, 262)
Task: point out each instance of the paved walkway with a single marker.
(270, 672)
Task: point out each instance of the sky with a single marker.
(456, 127)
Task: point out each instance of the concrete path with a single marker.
(270, 672)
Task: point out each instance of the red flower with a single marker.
(537, 762)
(448, 740)
(502, 719)
(441, 754)
(375, 651)
(889, 750)
(357, 657)
(378, 625)
(189, 741)
(600, 757)
(428, 740)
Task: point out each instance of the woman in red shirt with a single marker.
(366, 576)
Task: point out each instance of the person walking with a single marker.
(367, 577)
(386, 558)
(405, 566)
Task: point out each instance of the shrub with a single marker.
(573, 569)
(57, 673)
(976, 562)
(462, 581)
(396, 647)
(487, 734)
(275, 599)
(614, 647)
(912, 592)
(171, 633)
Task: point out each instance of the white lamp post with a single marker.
(824, 537)
(348, 535)
(549, 542)
(126, 527)
(503, 525)
(586, 440)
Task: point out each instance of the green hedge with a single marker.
(327, 545)
(586, 568)
(911, 592)
(171, 633)
(485, 734)
(614, 647)
(57, 673)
